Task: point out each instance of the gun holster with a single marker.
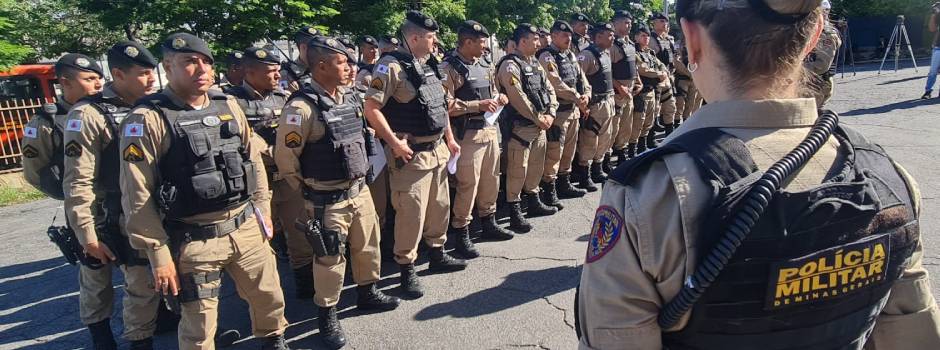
(324, 242)
(166, 196)
(71, 249)
(554, 134)
(460, 127)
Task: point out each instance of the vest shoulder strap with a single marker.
(217, 95)
(458, 65)
(595, 51)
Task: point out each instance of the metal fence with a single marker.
(14, 114)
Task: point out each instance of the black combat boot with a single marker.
(605, 166)
(492, 231)
(463, 245)
(517, 222)
(371, 298)
(410, 286)
(439, 261)
(631, 150)
(167, 321)
(549, 196)
(620, 154)
(565, 189)
(101, 336)
(641, 145)
(583, 178)
(536, 207)
(669, 129)
(651, 140)
(597, 174)
(277, 342)
(330, 330)
(142, 344)
(303, 282)
(226, 337)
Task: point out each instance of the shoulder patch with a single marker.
(382, 68)
(73, 125)
(292, 140)
(133, 153)
(134, 130)
(548, 58)
(377, 84)
(293, 119)
(73, 149)
(30, 152)
(551, 67)
(30, 132)
(581, 58)
(606, 231)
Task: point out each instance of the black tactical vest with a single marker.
(341, 154)
(667, 50)
(366, 67)
(815, 271)
(626, 68)
(51, 174)
(534, 84)
(567, 68)
(108, 174)
(262, 114)
(426, 114)
(602, 81)
(477, 84)
(649, 84)
(207, 162)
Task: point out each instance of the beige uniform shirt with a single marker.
(563, 92)
(509, 77)
(616, 56)
(38, 143)
(141, 179)
(649, 66)
(623, 291)
(826, 50)
(389, 80)
(454, 81)
(81, 191)
(299, 125)
(363, 78)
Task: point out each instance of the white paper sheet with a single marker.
(452, 163)
(491, 117)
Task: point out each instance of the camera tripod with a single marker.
(898, 37)
(845, 54)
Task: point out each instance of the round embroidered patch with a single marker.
(608, 225)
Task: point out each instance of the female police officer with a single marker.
(761, 222)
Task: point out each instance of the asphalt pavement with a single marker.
(518, 295)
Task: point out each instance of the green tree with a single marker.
(54, 27)
(11, 53)
(370, 17)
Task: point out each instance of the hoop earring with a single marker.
(693, 67)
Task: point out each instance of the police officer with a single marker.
(831, 264)
(388, 44)
(93, 200)
(406, 105)
(626, 84)
(822, 60)
(581, 24)
(380, 186)
(573, 93)
(299, 75)
(544, 37)
(43, 149)
(594, 137)
(531, 110)
(688, 99)
(323, 124)
(369, 54)
(664, 47)
(195, 198)
(471, 85)
(234, 74)
(655, 78)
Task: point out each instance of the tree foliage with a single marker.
(53, 27)
(864, 8)
(11, 53)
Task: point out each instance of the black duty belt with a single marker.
(476, 124)
(424, 146)
(599, 97)
(192, 232)
(565, 107)
(323, 198)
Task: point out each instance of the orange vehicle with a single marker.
(22, 89)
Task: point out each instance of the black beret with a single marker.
(580, 17)
(262, 55)
(80, 62)
(389, 40)
(562, 26)
(524, 29)
(368, 39)
(422, 20)
(305, 33)
(543, 31)
(641, 29)
(473, 28)
(622, 14)
(601, 27)
(132, 52)
(185, 42)
(234, 57)
(328, 43)
(657, 16)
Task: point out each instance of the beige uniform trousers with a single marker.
(355, 219)
(652, 111)
(667, 109)
(477, 175)
(571, 143)
(249, 260)
(643, 119)
(623, 129)
(592, 145)
(555, 150)
(287, 206)
(96, 296)
(421, 198)
(691, 102)
(525, 163)
(379, 190)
